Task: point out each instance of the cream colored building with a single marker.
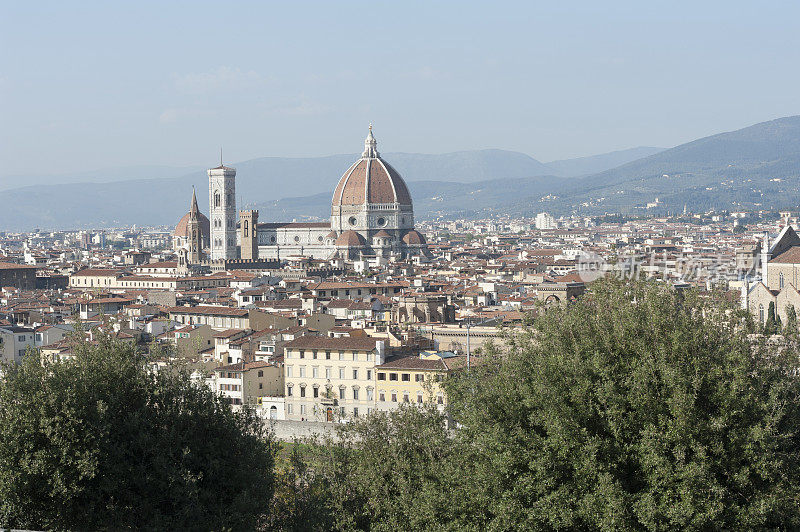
(330, 378)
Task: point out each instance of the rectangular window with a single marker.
(342, 411)
(327, 373)
(315, 372)
(302, 371)
(392, 376)
(370, 394)
(315, 355)
(341, 373)
(355, 374)
(302, 409)
(355, 411)
(419, 398)
(369, 374)
(394, 397)
(289, 371)
(355, 394)
(316, 392)
(381, 376)
(288, 391)
(327, 355)
(302, 391)
(381, 396)
(289, 409)
(419, 377)
(302, 354)
(406, 377)
(341, 393)
(405, 397)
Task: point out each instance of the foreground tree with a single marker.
(102, 443)
(637, 407)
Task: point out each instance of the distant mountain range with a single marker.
(755, 167)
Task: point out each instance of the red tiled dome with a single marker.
(371, 180)
(350, 239)
(414, 238)
(382, 234)
(182, 229)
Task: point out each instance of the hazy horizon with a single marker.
(93, 86)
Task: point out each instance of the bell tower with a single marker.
(194, 230)
(222, 199)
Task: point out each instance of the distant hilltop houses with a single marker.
(372, 216)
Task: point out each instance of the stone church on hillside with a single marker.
(372, 216)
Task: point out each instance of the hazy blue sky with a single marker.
(87, 85)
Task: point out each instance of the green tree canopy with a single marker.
(637, 407)
(103, 443)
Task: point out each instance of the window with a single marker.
(289, 371)
(381, 376)
(392, 376)
(419, 397)
(439, 399)
(341, 392)
(21, 338)
(405, 397)
(406, 377)
(761, 313)
(260, 373)
(341, 355)
(355, 394)
(289, 409)
(780, 280)
(342, 411)
(381, 397)
(302, 391)
(355, 411)
(216, 199)
(419, 377)
(327, 355)
(327, 373)
(369, 374)
(260, 385)
(341, 373)
(289, 390)
(316, 391)
(315, 372)
(302, 409)
(302, 371)
(302, 354)
(370, 394)
(355, 374)
(394, 397)
(314, 354)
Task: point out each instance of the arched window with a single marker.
(246, 229)
(216, 199)
(780, 280)
(761, 312)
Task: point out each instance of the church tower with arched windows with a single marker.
(222, 197)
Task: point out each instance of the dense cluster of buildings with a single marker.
(331, 320)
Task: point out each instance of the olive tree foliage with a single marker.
(635, 408)
(102, 442)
